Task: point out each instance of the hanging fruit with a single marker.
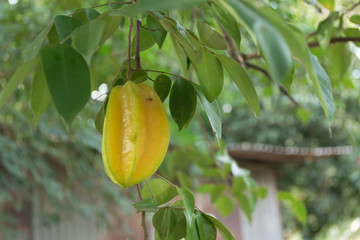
(135, 135)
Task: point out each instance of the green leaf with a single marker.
(182, 102)
(224, 205)
(209, 71)
(134, 10)
(40, 96)
(53, 36)
(194, 40)
(207, 229)
(304, 115)
(353, 32)
(217, 191)
(329, 4)
(138, 76)
(99, 119)
(324, 86)
(297, 207)
(189, 202)
(146, 41)
(160, 189)
(179, 230)
(296, 41)
(80, 14)
(192, 231)
(246, 203)
(162, 85)
(158, 33)
(184, 179)
(210, 37)
(242, 80)
(112, 24)
(273, 46)
(178, 32)
(212, 111)
(19, 75)
(324, 30)
(340, 58)
(91, 14)
(33, 48)
(180, 55)
(146, 204)
(355, 19)
(225, 233)
(68, 79)
(164, 222)
(228, 22)
(65, 26)
(87, 38)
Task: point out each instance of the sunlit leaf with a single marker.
(224, 205)
(209, 71)
(87, 38)
(160, 189)
(242, 80)
(297, 207)
(210, 37)
(189, 202)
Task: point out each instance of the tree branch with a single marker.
(352, 7)
(310, 44)
(137, 45)
(336, 40)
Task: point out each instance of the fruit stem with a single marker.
(129, 50)
(143, 219)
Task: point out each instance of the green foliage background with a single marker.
(46, 159)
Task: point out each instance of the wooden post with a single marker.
(266, 220)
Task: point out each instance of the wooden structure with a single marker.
(261, 160)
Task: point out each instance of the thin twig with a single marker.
(143, 219)
(352, 7)
(129, 50)
(281, 87)
(232, 48)
(137, 45)
(336, 40)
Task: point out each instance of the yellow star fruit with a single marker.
(135, 135)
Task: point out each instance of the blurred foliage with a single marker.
(51, 161)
